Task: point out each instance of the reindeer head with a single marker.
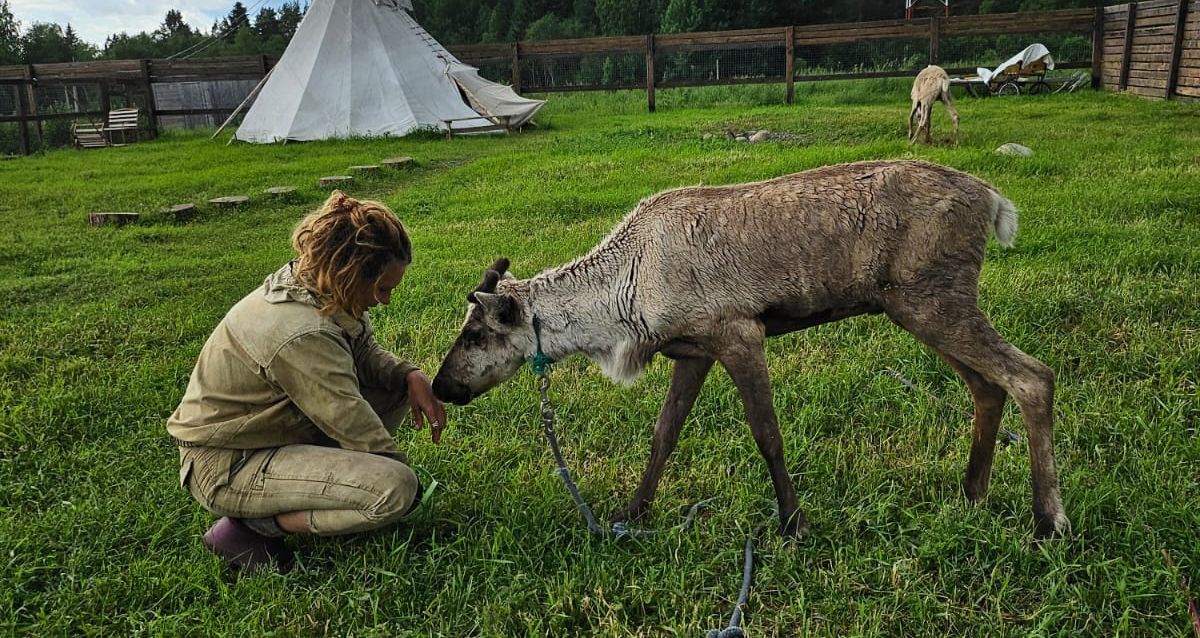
(494, 341)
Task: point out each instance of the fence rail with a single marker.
(1150, 48)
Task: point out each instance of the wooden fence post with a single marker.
(935, 35)
(1130, 23)
(1098, 48)
(151, 107)
(1173, 73)
(650, 71)
(22, 124)
(31, 77)
(516, 67)
(105, 98)
(789, 34)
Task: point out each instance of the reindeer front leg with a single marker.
(746, 362)
(686, 381)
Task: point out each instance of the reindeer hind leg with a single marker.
(956, 327)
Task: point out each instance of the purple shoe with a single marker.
(246, 549)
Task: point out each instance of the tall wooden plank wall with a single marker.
(1153, 53)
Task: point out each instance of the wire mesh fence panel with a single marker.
(8, 99)
(66, 98)
(10, 140)
(559, 73)
(495, 71)
(988, 51)
(720, 66)
(865, 57)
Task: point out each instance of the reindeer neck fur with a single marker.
(590, 306)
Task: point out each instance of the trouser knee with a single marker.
(401, 489)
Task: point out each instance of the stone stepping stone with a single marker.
(334, 179)
(371, 169)
(398, 163)
(232, 201)
(182, 212)
(280, 191)
(118, 219)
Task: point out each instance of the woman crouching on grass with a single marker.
(286, 426)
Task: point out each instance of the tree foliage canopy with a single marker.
(465, 21)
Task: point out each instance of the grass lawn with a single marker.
(99, 328)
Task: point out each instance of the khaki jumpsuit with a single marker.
(291, 410)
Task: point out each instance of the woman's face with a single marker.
(380, 291)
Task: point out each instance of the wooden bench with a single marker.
(88, 135)
(123, 122)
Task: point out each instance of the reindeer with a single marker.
(932, 84)
(706, 274)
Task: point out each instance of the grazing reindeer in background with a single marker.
(706, 274)
(932, 84)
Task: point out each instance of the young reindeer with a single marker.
(706, 274)
(932, 84)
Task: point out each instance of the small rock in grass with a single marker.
(760, 136)
(1015, 150)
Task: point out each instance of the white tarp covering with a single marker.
(1032, 53)
(362, 68)
(497, 100)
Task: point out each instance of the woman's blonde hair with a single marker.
(345, 246)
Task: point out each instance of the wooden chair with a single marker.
(88, 135)
(122, 121)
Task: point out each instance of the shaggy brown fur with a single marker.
(706, 274)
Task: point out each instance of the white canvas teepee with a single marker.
(366, 68)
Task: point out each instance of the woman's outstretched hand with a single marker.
(424, 405)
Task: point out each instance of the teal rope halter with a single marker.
(540, 361)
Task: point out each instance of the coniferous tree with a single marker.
(10, 36)
(45, 42)
(289, 18)
(238, 16)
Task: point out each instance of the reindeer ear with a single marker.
(488, 284)
(501, 265)
(501, 308)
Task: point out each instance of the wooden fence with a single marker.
(786, 40)
(128, 82)
(1152, 48)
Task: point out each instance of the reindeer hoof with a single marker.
(1049, 526)
(629, 514)
(795, 527)
(974, 492)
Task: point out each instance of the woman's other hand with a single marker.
(424, 405)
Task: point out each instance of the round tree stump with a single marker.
(118, 219)
(182, 212)
(372, 169)
(232, 201)
(280, 191)
(334, 179)
(398, 163)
